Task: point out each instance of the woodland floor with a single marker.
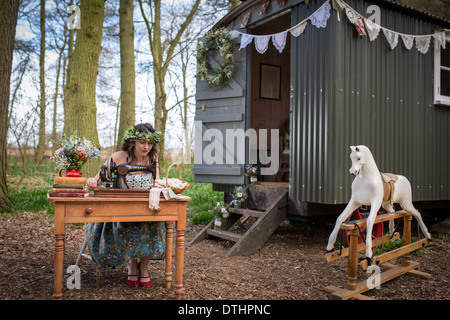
(290, 266)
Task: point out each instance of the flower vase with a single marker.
(237, 203)
(225, 214)
(217, 224)
(253, 180)
(70, 173)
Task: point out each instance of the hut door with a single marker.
(219, 154)
(270, 98)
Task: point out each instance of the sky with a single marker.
(110, 65)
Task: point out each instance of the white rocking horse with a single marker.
(367, 189)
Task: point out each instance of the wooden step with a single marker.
(246, 212)
(271, 212)
(226, 235)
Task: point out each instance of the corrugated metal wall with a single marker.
(349, 91)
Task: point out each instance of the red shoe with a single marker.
(133, 283)
(147, 284)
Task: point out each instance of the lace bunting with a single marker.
(440, 38)
(408, 41)
(262, 43)
(372, 29)
(351, 15)
(320, 17)
(391, 37)
(279, 40)
(422, 44)
(298, 30)
(245, 40)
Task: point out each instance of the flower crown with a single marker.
(134, 134)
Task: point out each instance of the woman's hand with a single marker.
(91, 183)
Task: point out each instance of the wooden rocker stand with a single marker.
(355, 289)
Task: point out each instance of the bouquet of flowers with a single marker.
(73, 152)
(240, 195)
(220, 211)
(251, 170)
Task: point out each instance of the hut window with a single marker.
(442, 73)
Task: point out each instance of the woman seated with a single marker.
(115, 243)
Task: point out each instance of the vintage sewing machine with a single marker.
(114, 175)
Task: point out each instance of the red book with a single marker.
(68, 190)
(69, 194)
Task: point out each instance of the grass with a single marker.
(30, 193)
(392, 245)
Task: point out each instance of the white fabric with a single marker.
(391, 37)
(408, 41)
(321, 16)
(245, 40)
(155, 194)
(372, 29)
(351, 14)
(423, 43)
(234, 34)
(262, 43)
(298, 30)
(172, 182)
(440, 37)
(279, 40)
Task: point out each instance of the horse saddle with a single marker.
(389, 180)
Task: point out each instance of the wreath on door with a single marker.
(216, 39)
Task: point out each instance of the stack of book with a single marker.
(69, 187)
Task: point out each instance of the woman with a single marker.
(113, 244)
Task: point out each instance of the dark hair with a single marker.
(128, 145)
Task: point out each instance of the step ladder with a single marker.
(267, 221)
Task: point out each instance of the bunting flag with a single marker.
(298, 29)
(360, 27)
(264, 8)
(408, 41)
(372, 29)
(281, 3)
(319, 18)
(365, 26)
(245, 20)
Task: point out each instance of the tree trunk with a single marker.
(55, 100)
(127, 72)
(83, 77)
(39, 153)
(67, 77)
(8, 17)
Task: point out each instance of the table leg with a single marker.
(179, 262)
(59, 251)
(169, 246)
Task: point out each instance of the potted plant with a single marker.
(72, 153)
(252, 171)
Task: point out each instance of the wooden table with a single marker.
(123, 209)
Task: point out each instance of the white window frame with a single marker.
(438, 98)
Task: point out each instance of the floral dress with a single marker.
(112, 244)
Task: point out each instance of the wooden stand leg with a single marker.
(169, 246)
(59, 251)
(352, 268)
(179, 262)
(406, 238)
